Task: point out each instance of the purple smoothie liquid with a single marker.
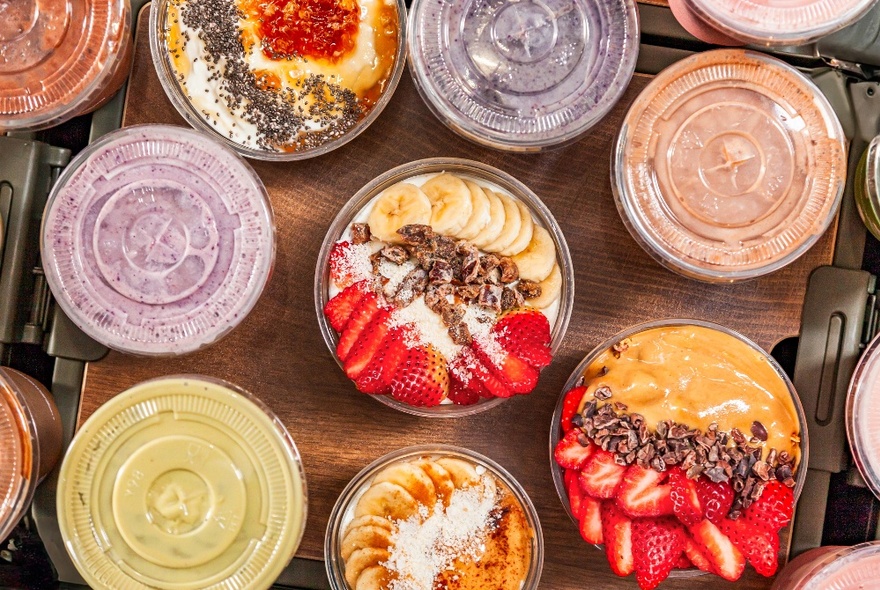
(158, 240)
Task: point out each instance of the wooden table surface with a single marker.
(278, 353)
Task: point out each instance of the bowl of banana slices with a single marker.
(443, 287)
(433, 516)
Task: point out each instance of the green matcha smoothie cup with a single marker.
(182, 482)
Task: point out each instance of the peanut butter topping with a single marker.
(698, 376)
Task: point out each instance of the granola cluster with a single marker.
(720, 456)
(450, 274)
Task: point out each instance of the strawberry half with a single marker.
(376, 376)
(492, 384)
(591, 520)
(715, 498)
(617, 537)
(726, 560)
(525, 333)
(515, 373)
(464, 387)
(360, 318)
(340, 307)
(642, 493)
(341, 271)
(367, 344)
(601, 474)
(685, 501)
(575, 494)
(573, 450)
(421, 379)
(773, 508)
(570, 405)
(459, 393)
(696, 555)
(760, 547)
(657, 544)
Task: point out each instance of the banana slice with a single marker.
(365, 536)
(537, 260)
(375, 577)
(362, 559)
(398, 205)
(413, 479)
(387, 499)
(525, 232)
(512, 223)
(450, 203)
(496, 212)
(369, 520)
(551, 287)
(463, 473)
(481, 214)
(441, 478)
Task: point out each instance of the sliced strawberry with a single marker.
(367, 344)
(773, 508)
(376, 376)
(683, 562)
(492, 384)
(715, 498)
(642, 493)
(726, 560)
(685, 501)
(601, 474)
(421, 379)
(459, 392)
(696, 555)
(657, 544)
(760, 547)
(525, 333)
(573, 450)
(515, 373)
(360, 318)
(342, 267)
(575, 494)
(464, 387)
(617, 537)
(570, 406)
(591, 520)
(340, 307)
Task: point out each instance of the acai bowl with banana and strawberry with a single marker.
(443, 287)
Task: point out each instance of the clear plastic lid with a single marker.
(19, 460)
(522, 75)
(779, 22)
(158, 240)
(57, 57)
(833, 568)
(865, 189)
(729, 165)
(862, 409)
(182, 482)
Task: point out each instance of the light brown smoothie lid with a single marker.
(56, 57)
(16, 461)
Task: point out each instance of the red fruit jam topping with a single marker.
(323, 29)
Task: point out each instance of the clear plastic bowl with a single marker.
(865, 189)
(729, 165)
(832, 568)
(60, 59)
(522, 76)
(157, 240)
(468, 169)
(778, 22)
(577, 376)
(862, 408)
(343, 510)
(182, 482)
(162, 59)
(30, 436)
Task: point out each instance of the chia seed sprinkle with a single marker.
(278, 115)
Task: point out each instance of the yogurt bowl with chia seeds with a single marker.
(279, 79)
(443, 287)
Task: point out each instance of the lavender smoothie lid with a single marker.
(522, 75)
(157, 240)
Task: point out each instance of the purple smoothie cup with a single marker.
(522, 76)
(158, 240)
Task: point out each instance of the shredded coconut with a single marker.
(356, 262)
(395, 273)
(428, 328)
(424, 546)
